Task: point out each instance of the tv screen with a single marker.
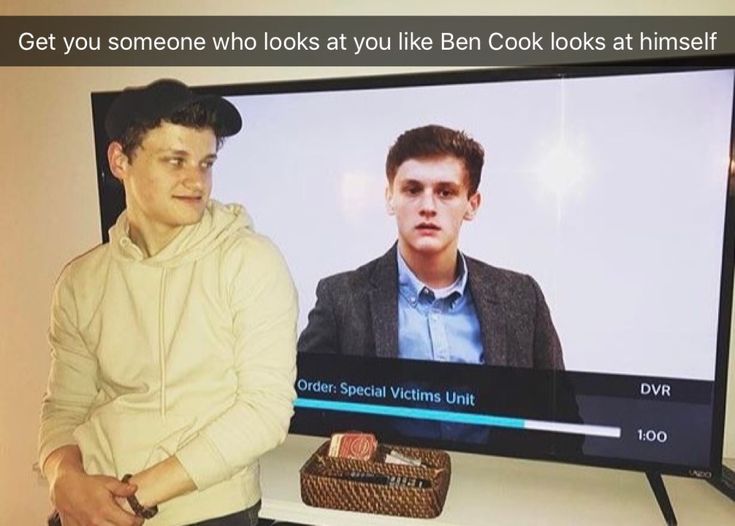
(587, 314)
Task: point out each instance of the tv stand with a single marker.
(662, 497)
(725, 482)
(495, 490)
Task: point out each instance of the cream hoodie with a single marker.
(190, 352)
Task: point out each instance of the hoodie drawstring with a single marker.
(161, 341)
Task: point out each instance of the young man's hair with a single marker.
(433, 141)
(196, 115)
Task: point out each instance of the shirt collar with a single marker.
(411, 286)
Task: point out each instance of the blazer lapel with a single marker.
(491, 317)
(384, 305)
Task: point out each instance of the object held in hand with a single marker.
(140, 511)
(359, 446)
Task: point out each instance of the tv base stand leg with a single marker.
(662, 497)
(725, 482)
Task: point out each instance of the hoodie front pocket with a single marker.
(114, 442)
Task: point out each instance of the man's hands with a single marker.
(92, 500)
(97, 500)
(87, 500)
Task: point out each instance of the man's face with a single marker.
(169, 178)
(429, 199)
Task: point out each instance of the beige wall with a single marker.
(48, 194)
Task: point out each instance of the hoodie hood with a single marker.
(218, 224)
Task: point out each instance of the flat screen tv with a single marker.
(595, 278)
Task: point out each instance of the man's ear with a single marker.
(473, 204)
(389, 207)
(117, 160)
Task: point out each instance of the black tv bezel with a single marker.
(111, 200)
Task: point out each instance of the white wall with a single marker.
(48, 194)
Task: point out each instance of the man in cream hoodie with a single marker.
(173, 345)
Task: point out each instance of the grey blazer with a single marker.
(356, 313)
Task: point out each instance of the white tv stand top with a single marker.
(496, 491)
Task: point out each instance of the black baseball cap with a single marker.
(161, 99)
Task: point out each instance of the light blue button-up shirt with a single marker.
(440, 325)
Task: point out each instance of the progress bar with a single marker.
(460, 418)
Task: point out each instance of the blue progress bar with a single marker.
(411, 412)
(461, 418)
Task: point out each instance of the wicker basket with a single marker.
(321, 487)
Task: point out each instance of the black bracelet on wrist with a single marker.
(140, 511)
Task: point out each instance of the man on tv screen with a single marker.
(424, 299)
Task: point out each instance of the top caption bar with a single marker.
(358, 41)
